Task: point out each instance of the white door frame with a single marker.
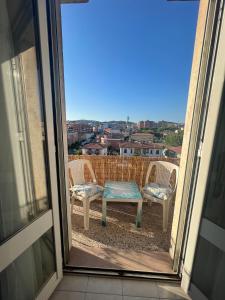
(64, 126)
(206, 152)
(190, 142)
(60, 124)
(43, 27)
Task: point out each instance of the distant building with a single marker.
(146, 124)
(105, 125)
(149, 124)
(72, 137)
(80, 127)
(87, 135)
(94, 149)
(133, 149)
(113, 140)
(141, 124)
(173, 151)
(142, 137)
(112, 131)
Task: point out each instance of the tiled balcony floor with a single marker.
(120, 245)
(100, 288)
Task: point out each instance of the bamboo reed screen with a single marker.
(120, 168)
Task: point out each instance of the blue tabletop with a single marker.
(121, 190)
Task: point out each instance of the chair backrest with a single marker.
(164, 171)
(76, 171)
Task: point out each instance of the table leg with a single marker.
(104, 203)
(165, 214)
(139, 213)
(86, 206)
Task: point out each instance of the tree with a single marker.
(174, 139)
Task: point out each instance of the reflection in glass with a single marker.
(209, 272)
(22, 162)
(24, 278)
(215, 195)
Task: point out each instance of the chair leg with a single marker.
(165, 214)
(104, 211)
(86, 205)
(71, 206)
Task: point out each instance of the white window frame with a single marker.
(22, 240)
(194, 115)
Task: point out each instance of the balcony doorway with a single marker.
(122, 150)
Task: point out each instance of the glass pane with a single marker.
(24, 278)
(22, 161)
(209, 270)
(215, 195)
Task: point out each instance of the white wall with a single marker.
(104, 151)
(131, 152)
(84, 151)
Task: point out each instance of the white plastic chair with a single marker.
(164, 171)
(77, 182)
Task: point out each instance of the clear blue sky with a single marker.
(128, 57)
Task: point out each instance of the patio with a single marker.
(120, 245)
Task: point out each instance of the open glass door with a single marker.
(30, 250)
(208, 272)
(209, 265)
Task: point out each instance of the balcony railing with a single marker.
(120, 168)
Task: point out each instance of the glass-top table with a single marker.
(122, 191)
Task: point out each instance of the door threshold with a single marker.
(120, 273)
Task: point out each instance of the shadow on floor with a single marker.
(120, 245)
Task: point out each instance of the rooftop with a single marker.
(175, 149)
(142, 134)
(94, 146)
(115, 136)
(141, 146)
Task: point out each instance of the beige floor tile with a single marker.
(65, 295)
(92, 296)
(73, 283)
(105, 285)
(170, 291)
(140, 288)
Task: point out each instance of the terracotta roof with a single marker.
(141, 146)
(114, 139)
(142, 133)
(93, 146)
(175, 149)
